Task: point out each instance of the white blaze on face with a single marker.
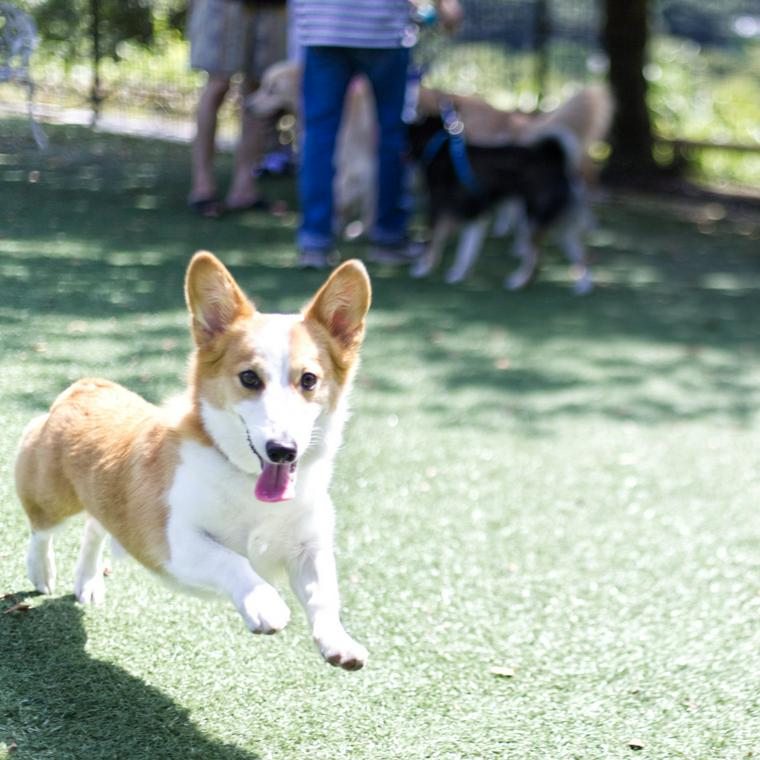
(262, 380)
(279, 414)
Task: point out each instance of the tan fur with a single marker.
(103, 449)
(484, 124)
(356, 144)
(586, 115)
(335, 317)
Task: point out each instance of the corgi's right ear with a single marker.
(213, 297)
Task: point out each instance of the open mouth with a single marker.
(277, 482)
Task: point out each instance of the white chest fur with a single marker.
(210, 495)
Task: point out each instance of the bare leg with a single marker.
(243, 188)
(314, 581)
(470, 243)
(203, 183)
(89, 586)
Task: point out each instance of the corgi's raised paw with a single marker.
(342, 651)
(264, 611)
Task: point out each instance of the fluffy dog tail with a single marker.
(586, 115)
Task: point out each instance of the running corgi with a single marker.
(227, 486)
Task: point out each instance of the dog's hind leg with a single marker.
(506, 218)
(46, 499)
(526, 249)
(89, 586)
(424, 265)
(470, 242)
(40, 561)
(575, 251)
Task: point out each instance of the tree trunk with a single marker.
(624, 36)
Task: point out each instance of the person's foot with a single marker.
(258, 203)
(209, 207)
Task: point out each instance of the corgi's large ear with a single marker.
(341, 305)
(213, 297)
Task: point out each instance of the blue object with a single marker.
(326, 77)
(453, 133)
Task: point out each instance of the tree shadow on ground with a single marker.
(58, 702)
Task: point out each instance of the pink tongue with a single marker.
(275, 483)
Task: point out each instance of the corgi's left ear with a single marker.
(213, 297)
(342, 303)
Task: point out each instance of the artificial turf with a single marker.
(548, 531)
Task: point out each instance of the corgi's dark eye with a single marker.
(308, 381)
(251, 380)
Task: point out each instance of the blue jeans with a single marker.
(327, 73)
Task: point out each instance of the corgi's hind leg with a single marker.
(40, 561)
(89, 584)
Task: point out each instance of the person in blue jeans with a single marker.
(339, 39)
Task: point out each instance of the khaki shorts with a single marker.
(227, 37)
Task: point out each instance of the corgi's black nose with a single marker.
(281, 452)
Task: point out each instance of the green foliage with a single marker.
(65, 26)
(708, 94)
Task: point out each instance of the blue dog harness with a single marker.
(453, 133)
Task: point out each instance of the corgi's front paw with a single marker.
(264, 611)
(340, 650)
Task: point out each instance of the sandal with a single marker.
(260, 204)
(208, 208)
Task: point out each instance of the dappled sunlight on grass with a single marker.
(560, 489)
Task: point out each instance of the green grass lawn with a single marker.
(564, 488)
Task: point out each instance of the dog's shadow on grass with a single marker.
(57, 701)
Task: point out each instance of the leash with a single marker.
(453, 133)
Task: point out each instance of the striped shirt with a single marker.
(354, 23)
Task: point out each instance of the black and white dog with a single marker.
(538, 182)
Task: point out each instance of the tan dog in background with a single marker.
(585, 115)
(355, 184)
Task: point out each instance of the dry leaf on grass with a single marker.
(19, 607)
